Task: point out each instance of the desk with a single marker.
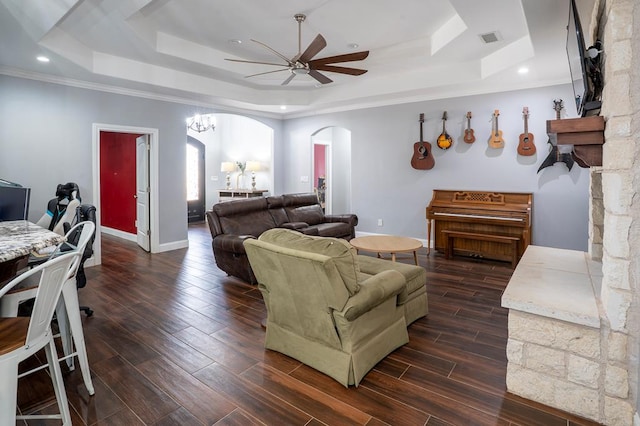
(18, 238)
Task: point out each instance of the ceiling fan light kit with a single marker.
(304, 64)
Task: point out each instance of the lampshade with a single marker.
(253, 166)
(227, 166)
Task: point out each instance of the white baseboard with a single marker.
(174, 245)
(133, 237)
(118, 233)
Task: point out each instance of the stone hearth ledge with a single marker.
(556, 283)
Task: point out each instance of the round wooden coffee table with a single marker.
(388, 244)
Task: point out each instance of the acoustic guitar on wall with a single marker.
(495, 140)
(422, 158)
(469, 137)
(526, 143)
(444, 140)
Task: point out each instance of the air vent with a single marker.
(491, 37)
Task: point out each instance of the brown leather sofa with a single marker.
(234, 221)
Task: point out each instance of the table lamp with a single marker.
(253, 167)
(228, 167)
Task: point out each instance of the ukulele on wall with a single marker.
(495, 140)
(422, 158)
(526, 144)
(469, 137)
(444, 140)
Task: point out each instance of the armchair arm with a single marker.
(373, 291)
(232, 243)
(351, 219)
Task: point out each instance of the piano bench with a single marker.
(450, 235)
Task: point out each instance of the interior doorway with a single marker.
(334, 144)
(151, 187)
(195, 180)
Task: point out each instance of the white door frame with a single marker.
(153, 182)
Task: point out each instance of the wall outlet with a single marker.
(380, 222)
(214, 178)
(304, 179)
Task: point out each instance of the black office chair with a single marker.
(84, 212)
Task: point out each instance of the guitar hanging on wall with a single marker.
(495, 140)
(422, 158)
(556, 156)
(469, 137)
(444, 140)
(526, 144)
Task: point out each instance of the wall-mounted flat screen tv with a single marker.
(585, 72)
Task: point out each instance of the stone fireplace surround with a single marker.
(574, 319)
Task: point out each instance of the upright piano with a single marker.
(480, 212)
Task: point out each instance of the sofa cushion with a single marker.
(244, 217)
(311, 214)
(332, 229)
(343, 254)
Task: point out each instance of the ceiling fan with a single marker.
(303, 62)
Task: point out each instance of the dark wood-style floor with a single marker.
(174, 341)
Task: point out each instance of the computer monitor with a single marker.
(14, 203)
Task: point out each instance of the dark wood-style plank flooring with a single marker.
(174, 341)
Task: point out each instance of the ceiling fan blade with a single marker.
(313, 49)
(284, 83)
(348, 57)
(341, 70)
(280, 55)
(320, 77)
(255, 62)
(267, 72)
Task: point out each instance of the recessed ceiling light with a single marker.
(353, 45)
(523, 70)
(235, 41)
(283, 107)
(42, 59)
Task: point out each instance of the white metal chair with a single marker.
(21, 337)
(67, 309)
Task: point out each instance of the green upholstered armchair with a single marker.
(318, 311)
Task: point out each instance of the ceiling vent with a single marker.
(491, 37)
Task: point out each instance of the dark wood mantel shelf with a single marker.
(586, 134)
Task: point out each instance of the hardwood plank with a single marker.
(434, 403)
(147, 401)
(261, 404)
(179, 417)
(198, 399)
(213, 348)
(239, 418)
(382, 407)
(174, 349)
(321, 406)
(92, 409)
(476, 398)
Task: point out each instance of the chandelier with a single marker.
(199, 123)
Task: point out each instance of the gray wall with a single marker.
(46, 139)
(384, 186)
